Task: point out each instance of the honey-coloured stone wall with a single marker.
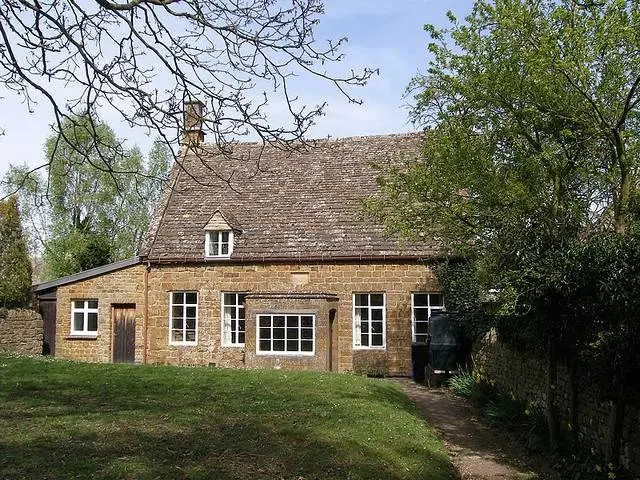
(335, 282)
(21, 331)
(125, 286)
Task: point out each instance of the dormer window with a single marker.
(219, 243)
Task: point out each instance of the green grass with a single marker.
(64, 420)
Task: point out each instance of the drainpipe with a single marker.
(145, 343)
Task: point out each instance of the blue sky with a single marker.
(385, 34)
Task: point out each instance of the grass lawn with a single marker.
(64, 420)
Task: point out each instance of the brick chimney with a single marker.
(193, 114)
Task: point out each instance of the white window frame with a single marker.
(225, 323)
(85, 310)
(185, 305)
(296, 353)
(213, 241)
(357, 322)
(431, 309)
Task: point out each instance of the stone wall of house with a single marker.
(525, 377)
(336, 281)
(122, 287)
(21, 331)
(397, 281)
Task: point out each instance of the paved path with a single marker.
(477, 452)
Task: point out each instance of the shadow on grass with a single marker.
(86, 421)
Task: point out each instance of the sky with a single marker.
(382, 34)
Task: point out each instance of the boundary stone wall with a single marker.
(524, 376)
(21, 331)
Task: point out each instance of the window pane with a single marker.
(362, 300)
(364, 327)
(93, 304)
(264, 321)
(177, 323)
(78, 321)
(278, 333)
(376, 314)
(192, 298)
(307, 321)
(241, 298)
(233, 337)
(191, 312)
(278, 345)
(376, 340)
(278, 321)
(364, 314)
(78, 304)
(240, 337)
(292, 333)
(307, 346)
(376, 327)
(176, 311)
(364, 340)
(191, 336)
(177, 336)
(191, 323)
(224, 249)
(230, 312)
(229, 298)
(292, 321)
(241, 325)
(421, 327)
(178, 297)
(420, 299)
(265, 345)
(377, 299)
(421, 338)
(265, 333)
(307, 333)
(437, 299)
(93, 322)
(421, 314)
(225, 237)
(292, 345)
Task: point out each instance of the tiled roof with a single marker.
(290, 205)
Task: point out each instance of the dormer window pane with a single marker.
(219, 243)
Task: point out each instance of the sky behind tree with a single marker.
(382, 34)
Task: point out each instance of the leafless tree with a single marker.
(144, 58)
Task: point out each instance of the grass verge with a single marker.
(68, 420)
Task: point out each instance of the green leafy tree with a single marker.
(531, 112)
(15, 266)
(92, 208)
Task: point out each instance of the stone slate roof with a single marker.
(290, 205)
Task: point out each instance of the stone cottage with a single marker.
(258, 259)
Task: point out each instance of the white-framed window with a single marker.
(285, 334)
(219, 243)
(183, 319)
(423, 305)
(369, 320)
(84, 317)
(233, 319)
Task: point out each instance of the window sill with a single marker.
(233, 345)
(370, 348)
(82, 337)
(189, 344)
(286, 354)
(220, 257)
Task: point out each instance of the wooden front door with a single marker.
(48, 312)
(124, 333)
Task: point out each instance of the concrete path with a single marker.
(477, 451)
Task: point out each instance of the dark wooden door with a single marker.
(124, 333)
(48, 311)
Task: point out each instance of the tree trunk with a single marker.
(616, 421)
(573, 401)
(550, 409)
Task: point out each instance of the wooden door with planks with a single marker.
(124, 333)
